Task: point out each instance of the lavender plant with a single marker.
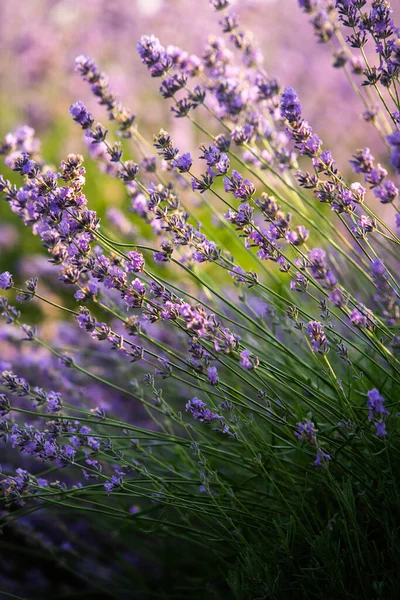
(214, 410)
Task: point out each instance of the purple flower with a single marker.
(211, 154)
(204, 183)
(173, 84)
(153, 55)
(375, 404)
(81, 115)
(290, 105)
(135, 262)
(337, 298)
(380, 428)
(248, 361)
(318, 258)
(318, 267)
(206, 251)
(116, 278)
(183, 163)
(245, 361)
(89, 292)
(362, 161)
(54, 402)
(321, 458)
(222, 165)
(362, 317)
(85, 320)
(298, 236)
(316, 332)
(139, 287)
(150, 50)
(50, 449)
(310, 147)
(24, 165)
(358, 191)
(199, 411)
(299, 283)
(394, 141)
(87, 67)
(376, 176)
(109, 486)
(358, 318)
(69, 452)
(242, 217)
(241, 135)
(240, 187)
(212, 375)
(306, 432)
(387, 192)
(377, 268)
(6, 280)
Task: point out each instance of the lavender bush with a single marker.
(210, 408)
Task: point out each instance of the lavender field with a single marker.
(199, 299)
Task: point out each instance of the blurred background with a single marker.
(39, 40)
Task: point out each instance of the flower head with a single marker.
(290, 105)
(81, 115)
(199, 411)
(6, 280)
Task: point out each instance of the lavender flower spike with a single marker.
(6, 280)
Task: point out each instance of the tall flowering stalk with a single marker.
(223, 384)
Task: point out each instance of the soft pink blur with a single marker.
(39, 40)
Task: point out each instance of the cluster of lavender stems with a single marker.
(364, 41)
(245, 325)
